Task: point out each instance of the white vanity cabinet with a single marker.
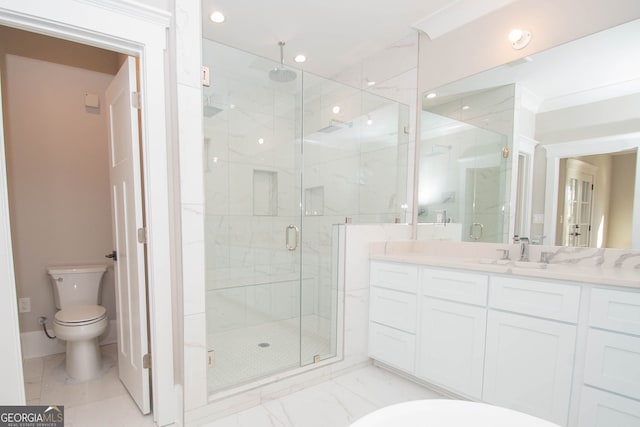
(529, 360)
(451, 330)
(392, 314)
(610, 395)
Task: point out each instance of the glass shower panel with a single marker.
(354, 166)
(252, 160)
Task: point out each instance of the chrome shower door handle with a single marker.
(288, 237)
(476, 230)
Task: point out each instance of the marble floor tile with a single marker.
(254, 417)
(119, 411)
(327, 404)
(100, 402)
(334, 403)
(384, 388)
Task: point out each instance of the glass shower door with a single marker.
(253, 206)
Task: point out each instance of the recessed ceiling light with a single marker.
(370, 82)
(336, 109)
(465, 107)
(217, 17)
(300, 58)
(260, 141)
(431, 95)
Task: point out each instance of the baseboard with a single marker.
(36, 343)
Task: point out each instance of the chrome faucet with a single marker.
(524, 248)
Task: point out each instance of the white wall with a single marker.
(483, 44)
(621, 207)
(58, 177)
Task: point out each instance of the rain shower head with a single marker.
(281, 74)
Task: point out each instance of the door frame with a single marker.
(588, 147)
(140, 31)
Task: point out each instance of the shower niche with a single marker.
(265, 193)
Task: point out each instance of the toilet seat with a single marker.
(80, 315)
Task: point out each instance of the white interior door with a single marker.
(126, 200)
(578, 203)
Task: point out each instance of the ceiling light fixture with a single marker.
(217, 17)
(336, 109)
(465, 107)
(300, 58)
(369, 120)
(370, 82)
(431, 95)
(260, 141)
(519, 38)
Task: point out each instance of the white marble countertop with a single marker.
(612, 267)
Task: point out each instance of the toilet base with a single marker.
(83, 359)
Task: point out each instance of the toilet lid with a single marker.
(80, 313)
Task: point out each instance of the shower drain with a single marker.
(264, 345)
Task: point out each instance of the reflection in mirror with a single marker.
(575, 104)
(465, 162)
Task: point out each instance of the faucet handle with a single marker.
(505, 253)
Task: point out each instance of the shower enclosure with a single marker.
(285, 160)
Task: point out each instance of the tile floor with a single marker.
(104, 401)
(97, 403)
(335, 403)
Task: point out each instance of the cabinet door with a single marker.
(601, 409)
(395, 309)
(529, 364)
(391, 346)
(451, 345)
(613, 362)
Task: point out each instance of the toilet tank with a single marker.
(76, 284)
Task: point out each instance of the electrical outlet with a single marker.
(24, 305)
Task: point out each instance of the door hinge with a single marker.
(146, 361)
(211, 358)
(205, 76)
(136, 100)
(142, 235)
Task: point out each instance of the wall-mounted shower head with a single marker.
(280, 74)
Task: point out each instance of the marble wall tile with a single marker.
(195, 358)
(191, 144)
(193, 280)
(188, 32)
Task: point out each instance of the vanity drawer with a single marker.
(613, 362)
(456, 286)
(392, 347)
(615, 310)
(401, 277)
(392, 308)
(536, 298)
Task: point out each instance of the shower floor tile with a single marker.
(245, 354)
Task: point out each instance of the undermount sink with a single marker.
(494, 261)
(529, 264)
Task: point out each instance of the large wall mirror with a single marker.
(544, 147)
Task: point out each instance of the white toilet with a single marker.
(80, 320)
